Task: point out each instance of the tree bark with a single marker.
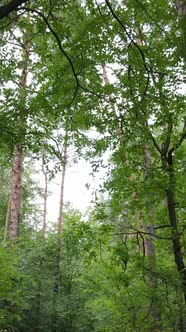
(13, 5)
(58, 241)
(150, 251)
(178, 255)
(61, 203)
(176, 239)
(17, 168)
(7, 219)
(16, 192)
(45, 197)
(181, 10)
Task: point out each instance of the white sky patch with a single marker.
(81, 185)
(75, 190)
(80, 188)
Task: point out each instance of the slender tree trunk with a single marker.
(7, 219)
(150, 252)
(61, 203)
(58, 241)
(45, 197)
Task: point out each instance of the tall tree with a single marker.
(17, 168)
(57, 275)
(44, 170)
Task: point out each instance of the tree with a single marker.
(137, 108)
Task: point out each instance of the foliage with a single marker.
(117, 68)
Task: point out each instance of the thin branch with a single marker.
(155, 273)
(163, 226)
(151, 17)
(153, 139)
(175, 147)
(58, 42)
(128, 35)
(136, 232)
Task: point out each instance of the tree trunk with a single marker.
(176, 241)
(61, 203)
(181, 10)
(16, 193)
(58, 241)
(16, 177)
(150, 252)
(7, 219)
(45, 197)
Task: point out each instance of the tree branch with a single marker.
(13, 5)
(153, 20)
(165, 145)
(175, 147)
(58, 42)
(128, 35)
(153, 138)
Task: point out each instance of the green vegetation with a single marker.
(116, 68)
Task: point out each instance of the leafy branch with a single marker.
(128, 35)
(57, 40)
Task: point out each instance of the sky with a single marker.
(75, 190)
(79, 189)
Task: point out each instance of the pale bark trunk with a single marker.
(58, 242)
(7, 219)
(45, 198)
(61, 203)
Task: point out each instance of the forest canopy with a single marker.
(117, 68)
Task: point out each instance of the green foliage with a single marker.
(12, 281)
(119, 271)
